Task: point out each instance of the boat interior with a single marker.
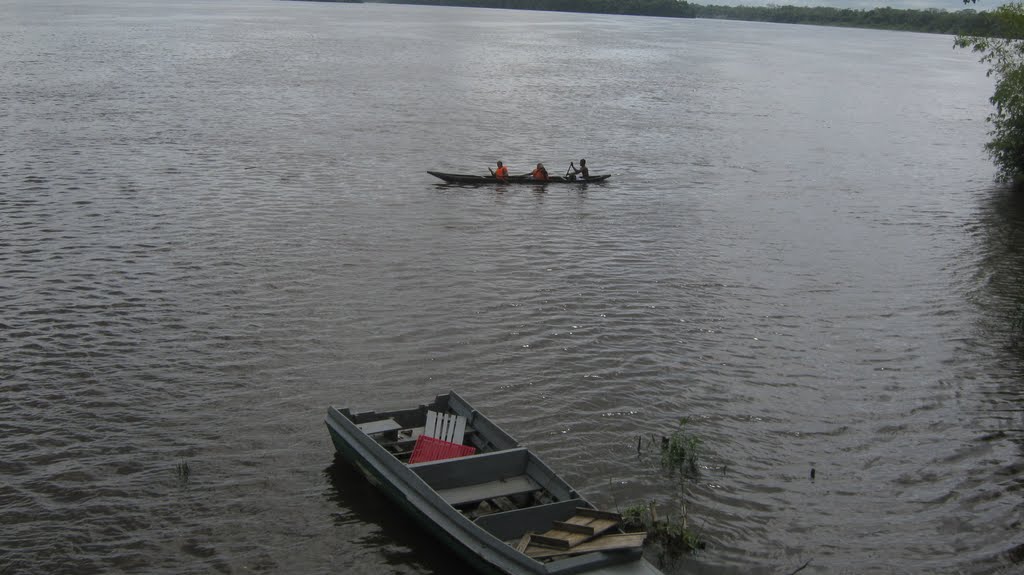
(398, 431)
(504, 488)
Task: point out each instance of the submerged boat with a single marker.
(471, 179)
(493, 502)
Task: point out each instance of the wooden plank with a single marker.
(460, 429)
(608, 542)
(536, 519)
(379, 426)
(428, 430)
(573, 528)
(598, 514)
(524, 542)
(546, 540)
(447, 425)
(561, 537)
(442, 419)
(488, 490)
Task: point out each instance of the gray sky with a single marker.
(951, 5)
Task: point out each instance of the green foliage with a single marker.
(674, 535)
(679, 462)
(183, 471)
(1004, 55)
(634, 517)
(671, 535)
(680, 451)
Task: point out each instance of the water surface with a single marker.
(216, 222)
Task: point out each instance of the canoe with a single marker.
(471, 179)
(493, 502)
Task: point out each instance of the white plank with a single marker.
(460, 430)
(445, 426)
(446, 422)
(429, 431)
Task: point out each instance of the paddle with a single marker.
(569, 169)
(502, 180)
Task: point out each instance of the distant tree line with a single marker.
(964, 22)
(969, 22)
(669, 8)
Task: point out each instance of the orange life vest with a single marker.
(501, 172)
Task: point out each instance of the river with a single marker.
(215, 221)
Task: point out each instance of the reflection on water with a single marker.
(1001, 263)
(369, 519)
(1001, 296)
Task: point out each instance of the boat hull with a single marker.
(479, 180)
(373, 474)
(406, 489)
(477, 543)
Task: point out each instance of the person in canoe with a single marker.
(501, 173)
(580, 170)
(539, 173)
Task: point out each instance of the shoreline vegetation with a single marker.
(968, 21)
(932, 20)
(1004, 55)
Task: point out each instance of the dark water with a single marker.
(215, 221)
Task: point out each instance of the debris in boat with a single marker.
(587, 530)
(610, 542)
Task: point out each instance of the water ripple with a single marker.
(204, 247)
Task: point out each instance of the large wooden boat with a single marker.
(471, 179)
(500, 508)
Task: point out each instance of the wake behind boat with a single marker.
(472, 179)
(472, 486)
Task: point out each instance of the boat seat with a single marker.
(489, 490)
(379, 426)
(478, 477)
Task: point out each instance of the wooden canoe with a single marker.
(471, 179)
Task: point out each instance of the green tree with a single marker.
(1004, 54)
